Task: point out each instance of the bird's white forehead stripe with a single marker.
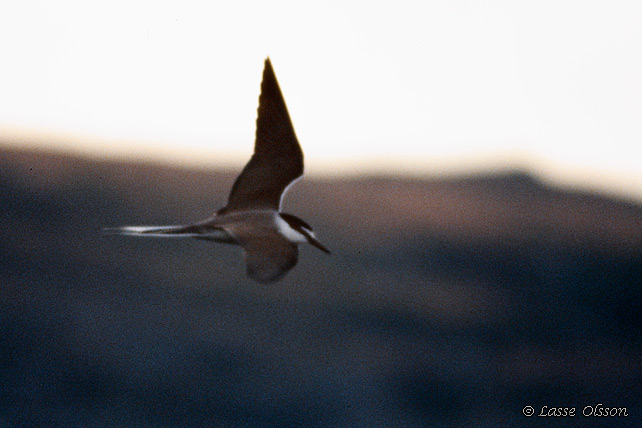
(287, 230)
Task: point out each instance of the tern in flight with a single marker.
(252, 217)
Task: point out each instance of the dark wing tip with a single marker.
(268, 64)
(275, 134)
(270, 86)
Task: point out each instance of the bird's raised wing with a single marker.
(277, 160)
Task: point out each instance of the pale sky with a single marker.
(421, 87)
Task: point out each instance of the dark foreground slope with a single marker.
(445, 303)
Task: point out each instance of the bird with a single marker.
(252, 218)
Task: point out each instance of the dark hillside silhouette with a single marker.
(446, 302)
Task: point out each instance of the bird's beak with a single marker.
(317, 244)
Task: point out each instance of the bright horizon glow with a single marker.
(421, 88)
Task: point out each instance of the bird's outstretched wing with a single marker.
(277, 160)
(269, 258)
